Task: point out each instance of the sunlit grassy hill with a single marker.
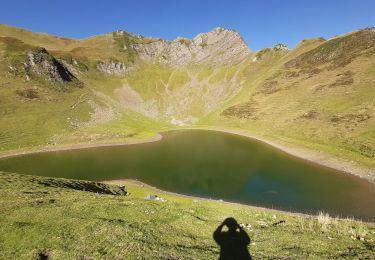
(69, 219)
(320, 94)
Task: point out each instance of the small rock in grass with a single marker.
(153, 197)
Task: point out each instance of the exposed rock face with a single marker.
(46, 66)
(113, 68)
(280, 47)
(220, 46)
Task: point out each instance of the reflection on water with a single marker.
(216, 165)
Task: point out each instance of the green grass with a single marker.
(110, 226)
(36, 39)
(149, 80)
(177, 79)
(129, 127)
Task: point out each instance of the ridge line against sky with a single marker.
(261, 23)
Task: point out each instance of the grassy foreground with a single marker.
(68, 219)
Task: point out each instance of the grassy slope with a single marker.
(109, 226)
(30, 122)
(326, 106)
(62, 117)
(36, 39)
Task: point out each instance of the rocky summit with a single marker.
(218, 47)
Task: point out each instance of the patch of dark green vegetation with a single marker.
(292, 74)
(246, 110)
(270, 87)
(345, 79)
(28, 93)
(364, 148)
(351, 118)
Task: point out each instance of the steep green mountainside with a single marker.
(110, 87)
(122, 86)
(321, 94)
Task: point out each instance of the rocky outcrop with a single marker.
(280, 47)
(220, 46)
(113, 68)
(44, 65)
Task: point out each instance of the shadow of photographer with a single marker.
(233, 242)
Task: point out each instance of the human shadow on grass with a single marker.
(233, 242)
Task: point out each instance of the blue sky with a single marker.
(261, 23)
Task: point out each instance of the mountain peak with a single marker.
(218, 46)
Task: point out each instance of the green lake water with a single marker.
(214, 165)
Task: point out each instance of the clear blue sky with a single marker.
(262, 23)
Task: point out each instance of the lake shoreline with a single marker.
(68, 147)
(123, 182)
(312, 156)
(196, 198)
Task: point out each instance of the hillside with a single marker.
(321, 95)
(99, 223)
(122, 86)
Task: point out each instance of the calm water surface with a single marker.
(216, 165)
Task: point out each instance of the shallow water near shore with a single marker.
(214, 165)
